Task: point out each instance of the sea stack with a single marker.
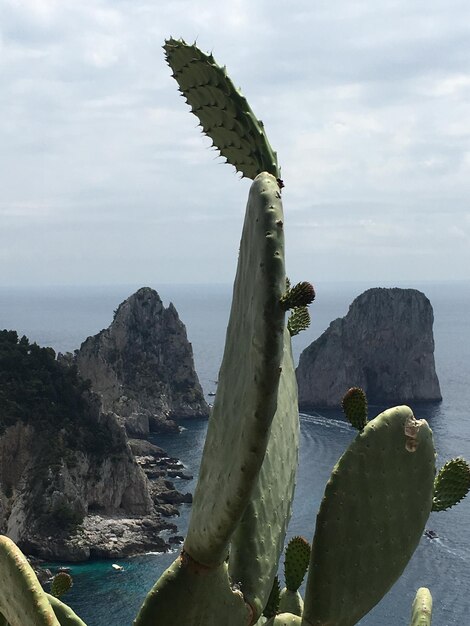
(384, 344)
(142, 366)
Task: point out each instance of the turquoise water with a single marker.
(101, 595)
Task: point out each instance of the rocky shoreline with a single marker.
(116, 536)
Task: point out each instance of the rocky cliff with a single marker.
(70, 485)
(142, 366)
(384, 344)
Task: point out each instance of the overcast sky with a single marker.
(105, 178)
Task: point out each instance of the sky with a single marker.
(106, 179)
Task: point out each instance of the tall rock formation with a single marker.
(142, 366)
(384, 344)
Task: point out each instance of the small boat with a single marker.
(431, 534)
(117, 567)
(211, 393)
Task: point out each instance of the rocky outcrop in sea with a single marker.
(142, 366)
(384, 344)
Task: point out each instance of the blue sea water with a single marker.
(63, 317)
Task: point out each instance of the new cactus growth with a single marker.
(451, 485)
(380, 493)
(61, 583)
(223, 112)
(301, 294)
(298, 321)
(354, 405)
(297, 557)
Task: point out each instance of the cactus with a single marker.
(300, 295)
(61, 583)
(295, 567)
(272, 605)
(298, 321)
(223, 112)
(451, 485)
(354, 405)
(380, 493)
(421, 611)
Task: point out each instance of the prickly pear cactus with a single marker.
(354, 405)
(223, 112)
(421, 611)
(371, 519)
(22, 599)
(451, 485)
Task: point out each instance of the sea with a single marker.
(62, 317)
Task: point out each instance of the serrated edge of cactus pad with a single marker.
(223, 112)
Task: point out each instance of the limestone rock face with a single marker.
(384, 344)
(142, 366)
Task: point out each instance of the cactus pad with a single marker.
(247, 393)
(285, 619)
(451, 485)
(354, 405)
(22, 599)
(371, 519)
(273, 601)
(224, 114)
(298, 321)
(64, 613)
(259, 538)
(421, 611)
(296, 562)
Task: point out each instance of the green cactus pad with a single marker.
(64, 613)
(22, 599)
(247, 393)
(223, 112)
(354, 405)
(301, 294)
(296, 562)
(259, 538)
(298, 321)
(61, 583)
(451, 485)
(193, 595)
(371, 519)
(285, 619)
(273, 601)
(421, 611)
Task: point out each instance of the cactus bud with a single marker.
(299, 320)
(300, 294)
(296, 562)
(354, 405)
(61, 583)
(451, 484)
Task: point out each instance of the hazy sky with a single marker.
(105, 178)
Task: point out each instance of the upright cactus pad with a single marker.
(22, 599)
(421, 611)
(247, 393)
(354, 405)
(260, 535)
(223, 112)
(296, 562)
(451, 485)
(371, 519)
